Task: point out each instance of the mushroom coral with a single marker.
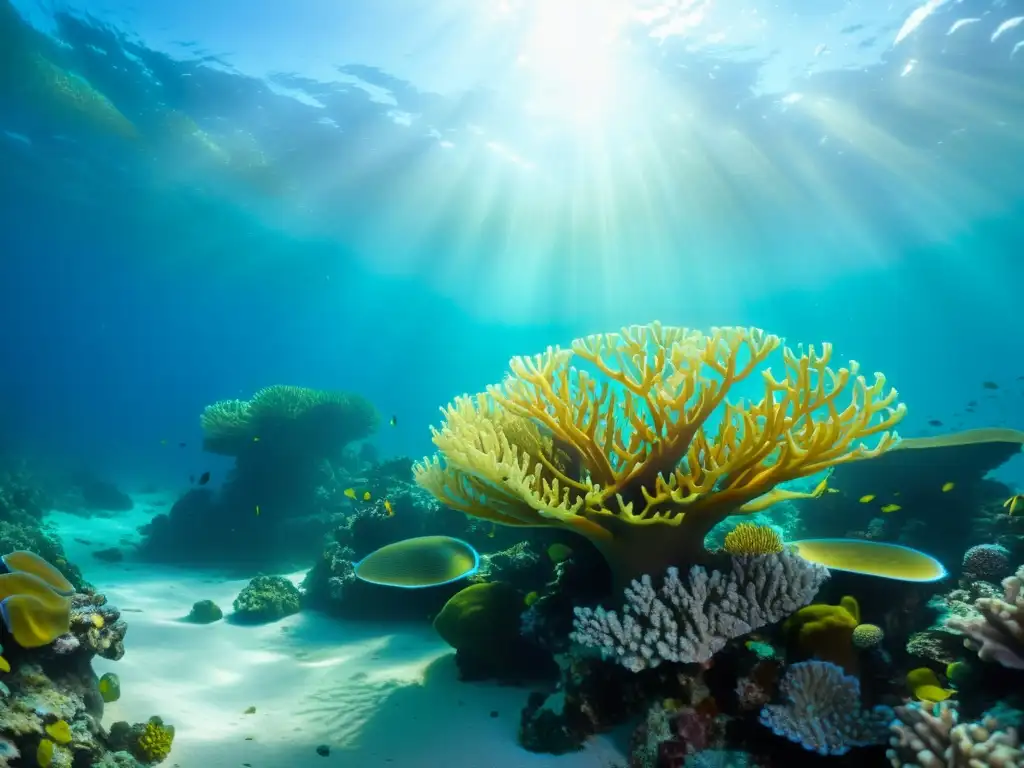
(628, 438)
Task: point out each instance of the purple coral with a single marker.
(823, 712)
(690, 622)
(987, 561)
(998, 635)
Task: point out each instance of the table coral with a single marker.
(628, 438)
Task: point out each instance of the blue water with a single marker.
(415, 218)
(202, 198)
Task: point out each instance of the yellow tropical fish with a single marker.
(1012, 503)
(257, 510)
(947, 487)
(388, 509)
(891, 508)
(350, 492)
(867, 499)
(530, 599)
(366, 496)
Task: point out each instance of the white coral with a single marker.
(689, 623)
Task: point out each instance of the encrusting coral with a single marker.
(626, 457)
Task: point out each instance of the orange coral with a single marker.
(610, 438)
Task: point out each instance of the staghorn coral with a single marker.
(823, 712)
(750, 539)
(691, 623)
(930, 737)
(645, 456)
(998, 634)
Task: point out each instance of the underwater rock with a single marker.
(481, 622)
(109, 555)
(204, 612)
(99, 495)
(265, 599)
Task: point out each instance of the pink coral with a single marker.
(999, 634)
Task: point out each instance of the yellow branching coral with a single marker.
(750, 539)
(628, 438)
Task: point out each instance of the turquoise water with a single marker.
(202, 199)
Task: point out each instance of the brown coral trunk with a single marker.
(638, 549)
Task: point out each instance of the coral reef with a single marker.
(22, 505)
(622, 456)
(289, 444)
(265, 599)
(691, 622)
(53, 703)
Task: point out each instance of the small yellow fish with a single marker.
(821, 488)
(891, 508)
(366, 496)
(947, 487)
(350, 492)
(530, 599)
(1012, 503)
(256, 439)
(394, 421)
(388, 509)
(867, 499)
(494, 529)
(257, 510)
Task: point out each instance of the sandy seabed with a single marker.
(380, 696)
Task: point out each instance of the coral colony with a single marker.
(749, 581)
